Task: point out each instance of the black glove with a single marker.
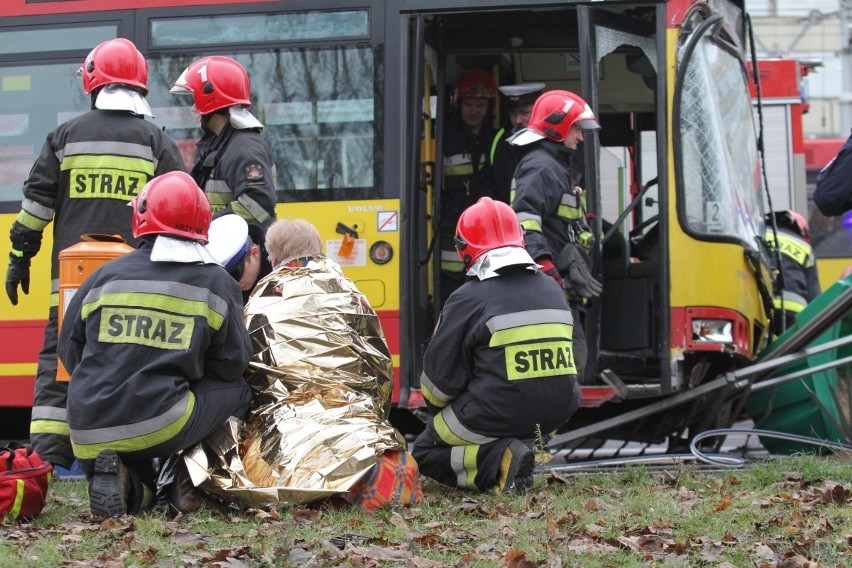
(574, 263)
(17, 273)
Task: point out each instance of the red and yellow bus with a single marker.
(352, 94)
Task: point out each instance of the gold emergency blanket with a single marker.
(322, 377)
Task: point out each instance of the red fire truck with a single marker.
(792, 161)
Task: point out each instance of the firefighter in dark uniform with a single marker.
(833, 191)
(798, 266)
(503, 157)
(467, 136)
(87, 172)
(156, 347)
(233, 163)
(548, 203)
(499, 367)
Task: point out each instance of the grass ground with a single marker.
(790, 512)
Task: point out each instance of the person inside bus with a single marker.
(549, 203)
(238, 247)
(233, 163)
(499, 371)
(156, 347)
(88, 170)
(798, 266)
(503, 157)
(467, 135)
(833, 191)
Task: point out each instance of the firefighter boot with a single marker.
(109, 486)
(516, 468)
(184, 497)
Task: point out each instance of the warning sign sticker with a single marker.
(388, 221)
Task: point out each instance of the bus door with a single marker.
(418, 202)
(623, 55)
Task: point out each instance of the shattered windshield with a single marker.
(721, 189)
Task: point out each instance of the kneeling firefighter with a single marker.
(499, 369)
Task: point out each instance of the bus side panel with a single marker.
(22, 326)
(377, 224)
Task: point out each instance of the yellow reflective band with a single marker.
(219, 201)
(568, 212)
(531, 361)
(144, 327)
(49, 427)
(531, 225)
(54, 299)
(238, 208)
(91, 451)
(459, 170)
(789, 305)
(494, 142)
(532, 332)
(469, 460)
(170, 304)
(431, 398)
(31, 221)
(19, 499)
(445, 433)
(109, 163)
(451, 266)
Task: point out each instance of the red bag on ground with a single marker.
(393, 482)
(24, 480)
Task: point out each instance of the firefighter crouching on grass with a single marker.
(499, 369)
(89, 169)
(156, 347)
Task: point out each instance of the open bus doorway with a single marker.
(666, 217)
(545, 47)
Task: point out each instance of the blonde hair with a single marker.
(287, 239)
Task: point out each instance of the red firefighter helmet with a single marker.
(473, 84)
(793, 221)
(484, 226)
(172, 204)
(114, 61)
(555, 112)
(215, 82)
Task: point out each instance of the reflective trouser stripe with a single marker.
(453, 433)
(97, 440)
(791, 302)
(463, 462)
(49, 420)
(49, 427)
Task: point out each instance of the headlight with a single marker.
(715, 330)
